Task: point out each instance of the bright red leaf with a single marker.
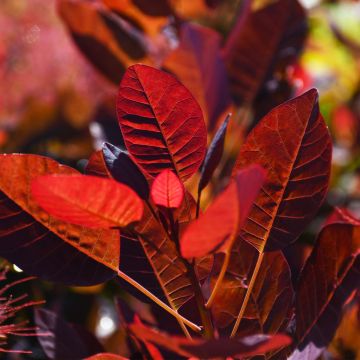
(225, 216)
(167, 190)
(64, 252)
(90, 201)
(161, 122)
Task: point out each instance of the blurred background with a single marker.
(61, 62)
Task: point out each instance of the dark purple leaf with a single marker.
(65, 341)
(123, 169)
(213, 155)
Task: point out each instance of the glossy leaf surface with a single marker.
(198, 64)
(209, 349)
(328, 279)
(65, 341)
(213, 155)
(63, 252)
(224, 218)
(161, 122)
(264, 40)
(123, 169)
(167, 190)
(71, 199)
(293, 144)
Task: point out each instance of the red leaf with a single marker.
(225, 216)
(213, 155)
(71, 199)
(108, 41)
(328, 279)
(42, 245)
(96, 165)
(167, 190)
(293, 144)
(106, 356)
(214, 348)
(271, 304)
(341, 215)
(161, 122)
(197, 62)
(264, 41)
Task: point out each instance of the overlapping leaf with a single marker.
(165, 260)
(214, 348)
(71, 198)
(198, 64)
(270, 306)
(123, 169)
(42, 245)
(150, 257)
(96, 165)
(328, 279)
(161, 122)
(225, 217)
(167, 190)
(293, 144)
(264, 40)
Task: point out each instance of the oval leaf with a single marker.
(293, 144)
(161, 122)
(213, 155)
(45, 246)
(123, 169)
(225, 216)
(167, 190)
(71, 198)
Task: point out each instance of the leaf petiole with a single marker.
(247, 295)
(157, 301)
